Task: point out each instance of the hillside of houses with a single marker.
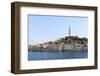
(68, 43)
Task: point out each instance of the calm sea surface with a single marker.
(57, 55)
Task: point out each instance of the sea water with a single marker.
(57, 55)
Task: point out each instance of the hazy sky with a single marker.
(50, 28)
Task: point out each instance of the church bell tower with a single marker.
(69, 31)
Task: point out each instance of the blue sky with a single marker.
(50, 28)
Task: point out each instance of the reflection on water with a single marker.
(57, 55)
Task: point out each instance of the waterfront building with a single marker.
(68, 46)
(61, 46)
(77, 46)
(55, 47)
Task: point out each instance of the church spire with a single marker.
(69, 31)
